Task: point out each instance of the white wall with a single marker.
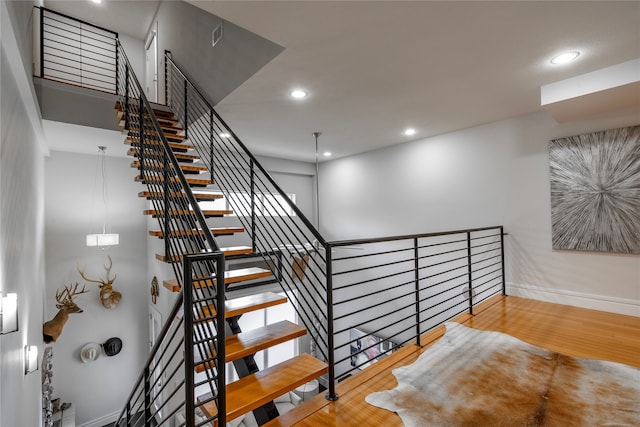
(484, 176)
(97, 389)
(21, 219)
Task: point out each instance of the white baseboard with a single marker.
(102, 421)
(577, 299)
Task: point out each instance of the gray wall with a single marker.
(484, 176)
(74, 208)
(185, 30)
(21, 218)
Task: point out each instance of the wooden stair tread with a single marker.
(255, 390)
(220, 231)
(237, 306)
(198, 196)
(230, 277)
(163, 120)
(181, 156)
(166, 124)
(157, 111)
(154, 164)
(250, 342)
(180, 146)
(207, 213)
(231, 251)
(158, 179)
(133, 133)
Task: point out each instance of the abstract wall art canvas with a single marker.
(595, 191)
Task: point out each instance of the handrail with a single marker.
(354, 242)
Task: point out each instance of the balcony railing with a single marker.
(76, 52)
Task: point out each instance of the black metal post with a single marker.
(189, 382)
(186, 109)
(416, 266)
(504, 279)
(220, 343)
(331, 395)
(211, 141)
(128, 413)
(42, 42)
(141, 139)
(126, 96)
(253, 207)
(165, 187)
(117, 62)
(470, 278)
(147, 397)
(167, 55)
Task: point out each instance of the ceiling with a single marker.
(373, 68)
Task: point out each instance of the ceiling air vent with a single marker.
(216, 35)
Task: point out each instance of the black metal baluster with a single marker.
(504, 279)
(211, 142)
(147, 397)
(331, 395)
(189, 383)
(469, 270)
(416, 270)
(253, 206)
(186, 109)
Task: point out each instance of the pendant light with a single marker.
(105, 238)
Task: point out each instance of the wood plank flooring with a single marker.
(570, 330)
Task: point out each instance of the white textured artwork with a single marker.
(595, 191)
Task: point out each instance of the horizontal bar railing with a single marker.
(76, 52)
(388, 292)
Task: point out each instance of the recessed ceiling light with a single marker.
(409, 132)
(327, 154)
(298, 94)
(565, 57)
(224, 135)
(97, 1)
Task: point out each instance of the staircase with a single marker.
(255, 390)
(396, 287)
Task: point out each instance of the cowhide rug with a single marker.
(477, 378)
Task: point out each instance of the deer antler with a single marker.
(109, 270)
(100, 281)
(70, 294)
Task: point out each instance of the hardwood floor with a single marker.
(569, 330)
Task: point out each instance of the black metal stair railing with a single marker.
(274, 223)
(168, 383)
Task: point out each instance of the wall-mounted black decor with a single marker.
(595, 191)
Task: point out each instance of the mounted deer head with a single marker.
(52, 329)
(108, 297)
